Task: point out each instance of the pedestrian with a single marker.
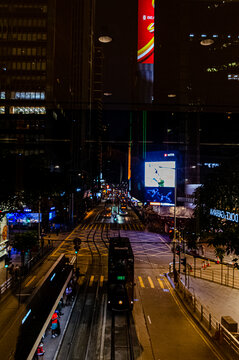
(54, 319)
(73, 283)
(58, 328)
(68, 295)
(40, 351)
(59, 307)
(9, 250)
(11, 270)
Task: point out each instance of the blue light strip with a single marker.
(26, 316)
(52, 276)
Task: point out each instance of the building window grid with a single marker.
(23, 36)
(26, 110)
(28, 66)
(28, 95)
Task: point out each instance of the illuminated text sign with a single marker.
(226, 215)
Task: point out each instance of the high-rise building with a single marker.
(45, 86)
(26, 85)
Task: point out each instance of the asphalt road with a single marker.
(163, 329)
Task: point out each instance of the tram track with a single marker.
(87, 324)
(78, 339)
(121, 336)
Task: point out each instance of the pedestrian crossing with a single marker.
(144, 282)
(109, 226)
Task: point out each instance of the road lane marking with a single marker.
(63, 242)
(211, 346)
(30, 281)
(151, 282)
(149, 319)
(91, 280)
(161, 283)
(101, 280)
(141, 282)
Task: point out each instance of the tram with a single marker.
(120, 274)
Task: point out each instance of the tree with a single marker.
(24, 242)
(219, 191)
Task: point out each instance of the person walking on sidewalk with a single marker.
(54, 324)
(68, 294)
(40, 351)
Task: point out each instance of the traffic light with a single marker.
(183, 262)
(76, 247)
(77, 242)
(178, 249)
(7, 262)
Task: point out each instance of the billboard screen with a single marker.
(159, 182)
(159, 174)
(23, 218)
(146, 31)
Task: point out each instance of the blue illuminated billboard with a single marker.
(159, 182)
(23, 218)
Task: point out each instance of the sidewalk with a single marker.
(51, 346)
(50, 238)
(218, 299)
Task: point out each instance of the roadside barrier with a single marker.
(226, 340)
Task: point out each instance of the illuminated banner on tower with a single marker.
(146, 31)
(160, 182)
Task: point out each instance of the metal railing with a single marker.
(208, 269)
(23, 271)
(226, 339)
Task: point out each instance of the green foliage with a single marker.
(25, 241)
(220, 252)
(220, 191)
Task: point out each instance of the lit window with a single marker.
(2, 95)
(2, 109)
(27, 110)
(233, 77)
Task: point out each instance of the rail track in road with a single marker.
(78, 339)
(85, 336)
(121, 337)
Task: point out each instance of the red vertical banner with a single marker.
(145, 31)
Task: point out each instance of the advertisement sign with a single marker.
(23, 218)
(159, 182)
(145, 31)
(160, 174)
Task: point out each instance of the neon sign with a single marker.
(226, 215)
(145, 31)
